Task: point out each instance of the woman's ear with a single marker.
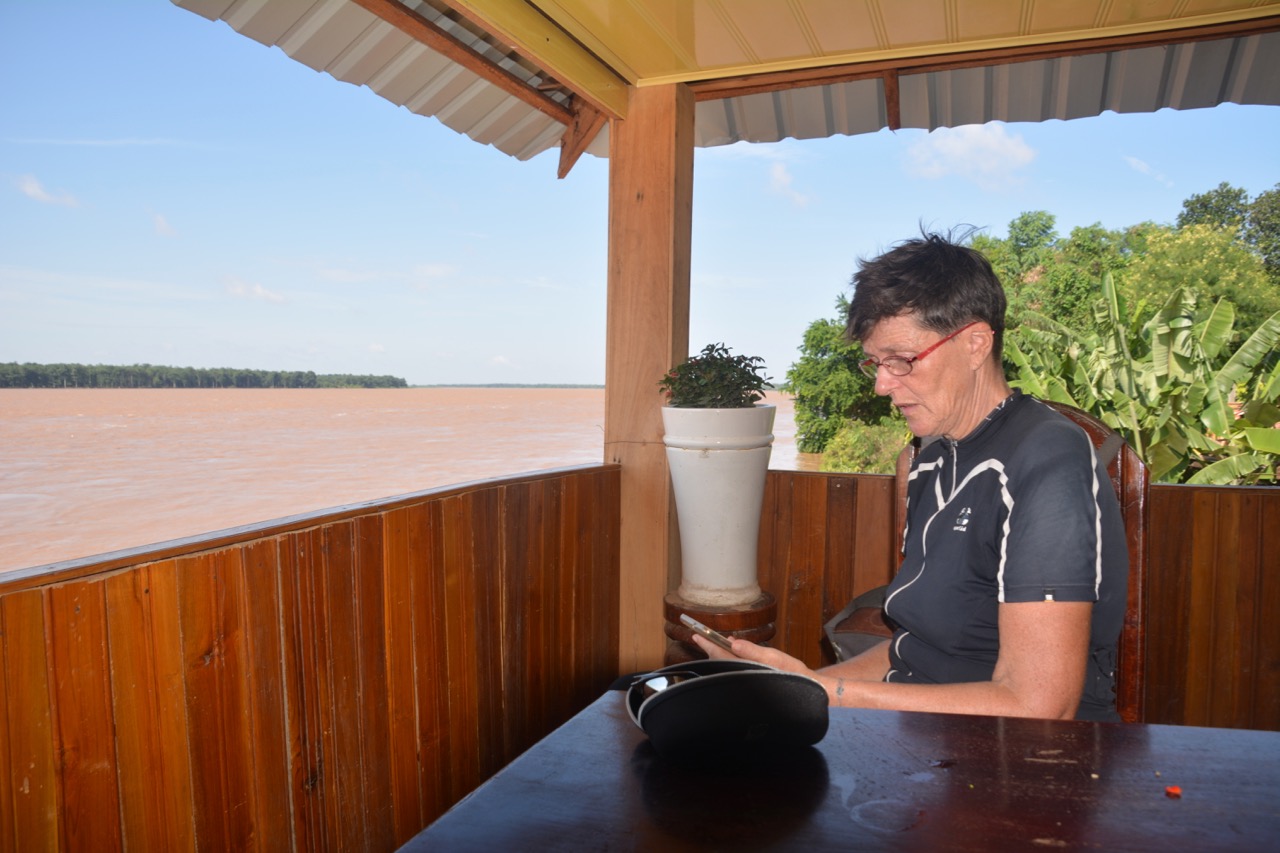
(979, 340)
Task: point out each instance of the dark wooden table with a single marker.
(884, 780)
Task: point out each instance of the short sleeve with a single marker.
(1052, 546)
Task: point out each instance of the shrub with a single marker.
(865, 448)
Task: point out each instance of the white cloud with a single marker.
(242, 289)
(985, 154)
(1144, 168)
(501, 361)
(780, 182)
(377, 348)
(163, 228)
(29, 186)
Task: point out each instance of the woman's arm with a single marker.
(1044, 647)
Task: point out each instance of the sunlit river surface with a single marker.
(83, 472)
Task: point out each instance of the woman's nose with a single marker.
(885, 381)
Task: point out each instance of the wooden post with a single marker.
(650, 227)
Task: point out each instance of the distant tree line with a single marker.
(15, 375)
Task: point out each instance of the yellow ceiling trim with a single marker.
(1270, 10)
(568, 21)
(548, 46)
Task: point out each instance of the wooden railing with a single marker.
(332, 681)
(337, 680)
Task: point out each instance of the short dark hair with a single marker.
(943, 283)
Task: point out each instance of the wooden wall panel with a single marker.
(84, 722)
(339, 651)
(298, 557)
(150, 707)
(1168, 605)
(375, 726)
(1213, 588)
(824, 539)
(523, 650)
(435, 741)
(210, 589)
(263, 615)
(462, 673)
(30, 811)
(877, 547)
(1264, 654)
(402, 764)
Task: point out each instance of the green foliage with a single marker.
(1224, 207)
(1032, 236)
(1042, 273)
(1255, 223)
(828, 387)
(1211, 261)
(870, 449)
(714, 379)
(1169, 384)
(14, 375)
(1262, 231)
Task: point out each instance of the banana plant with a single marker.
(1169, 385)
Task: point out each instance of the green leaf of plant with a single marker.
(1217, 416)
(1263, 440)
(1263, 340)
(1215, 332)
(1260, 413)
(1161, 462)
(1233, 469)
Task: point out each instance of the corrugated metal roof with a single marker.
(357, 46)
(353, 45)
(1184, 76)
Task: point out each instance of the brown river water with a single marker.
(87, 471)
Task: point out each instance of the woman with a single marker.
(1011, 593)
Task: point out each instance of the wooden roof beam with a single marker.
(419, 28)
(540, 40)
(587, 122)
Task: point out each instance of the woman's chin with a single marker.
(915, 420)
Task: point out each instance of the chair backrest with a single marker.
(1130, 480)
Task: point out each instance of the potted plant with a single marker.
(718, 437)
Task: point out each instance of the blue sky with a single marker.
(174, 193)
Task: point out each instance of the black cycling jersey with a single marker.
(1018, 510)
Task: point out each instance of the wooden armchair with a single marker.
(1130, 480)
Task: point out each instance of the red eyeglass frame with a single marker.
(871, 366)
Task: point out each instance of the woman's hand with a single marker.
(837, 680)
(747, 650)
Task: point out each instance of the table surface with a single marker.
(883, 780)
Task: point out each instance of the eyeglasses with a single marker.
(899, 366)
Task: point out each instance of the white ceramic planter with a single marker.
(718, 460)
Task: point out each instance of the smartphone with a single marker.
(698, 628)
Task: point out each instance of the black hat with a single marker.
(727, 709)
